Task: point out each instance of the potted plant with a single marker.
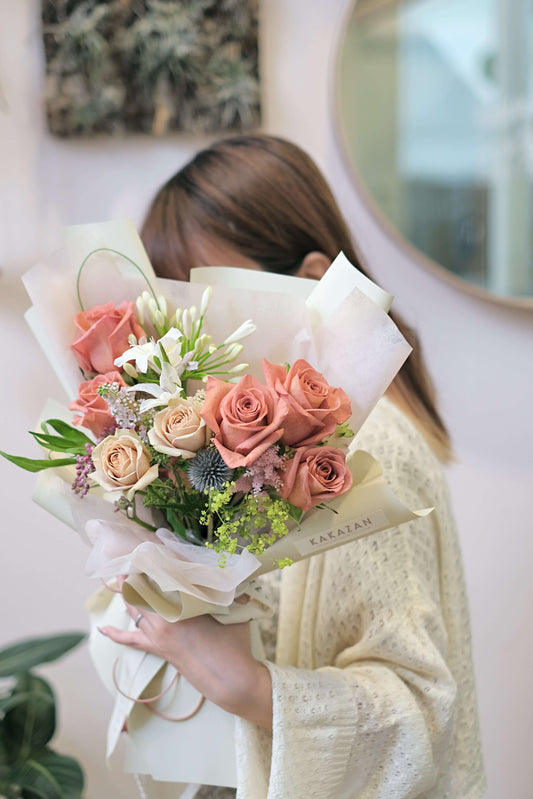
(29, 767)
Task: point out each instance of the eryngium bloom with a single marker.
(207, 470)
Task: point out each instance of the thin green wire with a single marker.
(117, 252)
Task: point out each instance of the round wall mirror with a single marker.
(435, 108)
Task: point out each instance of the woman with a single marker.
(371, 693)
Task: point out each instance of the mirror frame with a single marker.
(341, 136)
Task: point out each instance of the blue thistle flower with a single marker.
(207, 470)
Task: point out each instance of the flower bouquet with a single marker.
(191, 473)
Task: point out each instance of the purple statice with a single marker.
(125, 408)
(84, 467)
(262, 472)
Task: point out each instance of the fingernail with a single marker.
(102, 630)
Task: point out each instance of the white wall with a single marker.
(480, 355)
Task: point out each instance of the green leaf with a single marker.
(36, 780)
(31, 724)
(58, 444)
(58, 770)
(7, 703)
(65, 430)
(344, 431)
(29, 653)
(295, 513)
(6, 755)
(35, 465)
(176, 523)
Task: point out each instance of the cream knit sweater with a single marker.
(373, 686)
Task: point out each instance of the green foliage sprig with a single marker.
(68, 440)
(250, 523)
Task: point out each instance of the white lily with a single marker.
(169, 388)
(171, 344)
(162, 397)
(188, 363)
(169, 379)
(141, 353)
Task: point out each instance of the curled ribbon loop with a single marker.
(148, 701)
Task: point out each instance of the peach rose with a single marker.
(122, 463)
(103, 335)
(314, 407)
(246, 418)
(178, 430)
(95, 413)
(314, 475)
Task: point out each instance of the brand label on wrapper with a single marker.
(342, 533)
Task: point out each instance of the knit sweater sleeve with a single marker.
(364, 700)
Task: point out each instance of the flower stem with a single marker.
(116, 252)
(136, 519)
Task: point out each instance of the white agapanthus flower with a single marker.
(246, 329)
(206, 299)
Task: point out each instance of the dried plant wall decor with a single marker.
(150, 66)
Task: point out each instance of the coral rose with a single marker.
(103, 335)
(246, 418)
(122, 463)
(178, 430)
(314, 475)
(314, 407)
(95, 413)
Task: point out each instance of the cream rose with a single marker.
(122, 463)
(178, 430)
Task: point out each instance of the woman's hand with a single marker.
(215, 658)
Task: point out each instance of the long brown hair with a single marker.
(266, 199)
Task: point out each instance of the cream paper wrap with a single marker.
(336, 326)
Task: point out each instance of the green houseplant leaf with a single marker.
(31, 723)
(29, 768)
(49, 775)
(27, 654)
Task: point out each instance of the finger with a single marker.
(133, 611)
(146, 615)
(243, 599)
(133, 638)
(137, 615)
